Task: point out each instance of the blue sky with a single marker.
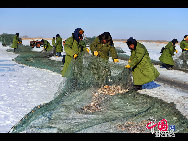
(122, 23)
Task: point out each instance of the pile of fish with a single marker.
(100, 95)
(134, 127)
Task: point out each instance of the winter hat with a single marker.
(174, 41)
(17, 34)
(131, 41)
(106, 36)
(78, 33)
(57, 35)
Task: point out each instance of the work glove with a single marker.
(75, 56)
(87, 50)
(128, 66)
(185, 48)
(116, 60)
(96, 53)
(129, 61)
(176, 51)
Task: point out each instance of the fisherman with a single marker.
(184, 47)
(103, 45)
(58, 45)
(73, 47)
(46, 45)
(53, 44)
(15, 41)
(184, 44)
(140, 63)
(167, 53)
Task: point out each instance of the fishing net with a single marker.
(95, 98)
(181, 62)
(36, 59)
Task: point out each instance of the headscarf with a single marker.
(78, 33)
(106, 36)
(174, 41)
(131, 41)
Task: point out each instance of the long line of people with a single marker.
(139, 62)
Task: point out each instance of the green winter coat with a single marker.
(59, 47)
(168, 52)
(184, 44)
(71, 47)
(53, 42)
(142, 69)
(15, 42)
(47, 45)
(103, 49)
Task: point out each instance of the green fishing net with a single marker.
(95, 98)
(182, 61)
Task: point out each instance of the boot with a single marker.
(137, 87)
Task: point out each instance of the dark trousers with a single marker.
(167, 66)
(137, 87)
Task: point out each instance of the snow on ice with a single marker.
(22, 88)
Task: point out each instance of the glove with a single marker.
(75, 56)
(87, 50)
(96, 53)
(185, 48)
(116, 60)
(129, 61)
(128, 66)
(176, 51)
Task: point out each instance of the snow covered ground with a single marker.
(22, 88)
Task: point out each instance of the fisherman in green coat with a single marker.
(73, 47)
(53, 44)
(103, 45)
(142, 69)
(184, 47)
(15, 42)
(46, 45)
(59, 47)
(167, 53)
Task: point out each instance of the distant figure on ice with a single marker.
(184, 47)
(73, 47)
(103, 46)
(167, 53)
(142, 69)
(46, 45)
(15, 41)
(59, 47)
(53, 44)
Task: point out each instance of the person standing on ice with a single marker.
(46, 45)
(59, 47)
(167, 53)
(140, 63)
(15, 41)
(184, 47)
(103, 46)
(73, 47)
(53, 44)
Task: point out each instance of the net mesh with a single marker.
(182, 61)
(95, 98)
